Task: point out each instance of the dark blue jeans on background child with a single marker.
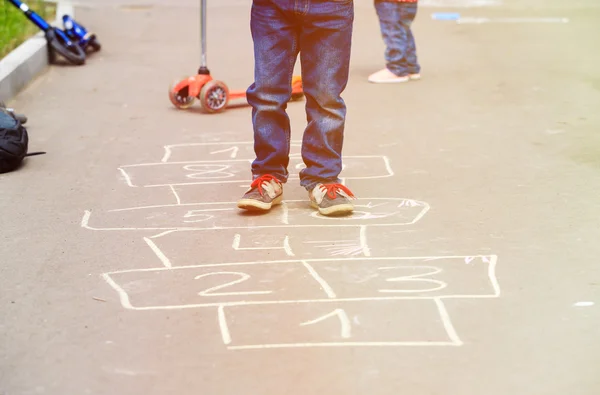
(395, 20)
(321, 32)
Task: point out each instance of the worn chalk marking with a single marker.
(416, 278)
(447, 322)
(243, 277)
(219, 172)
(491, 270)
(293, 302)
(161, 234)
(163, 258)
(343, 344)
(234, 151)
(346, 332)
(169, 148)
(225, 335)
(127, 178)
(176, 194)
(286, 245)
(123, 297)
(479, 21)
(324, 285)
(365, 216)
(216, 171)
(340, 247)
(285, 213)
(363, 241)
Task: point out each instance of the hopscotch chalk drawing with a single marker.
(293, 278)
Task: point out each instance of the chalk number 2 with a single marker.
(241, 277)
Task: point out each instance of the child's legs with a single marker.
(408, 12)
(275, 37)
(325, 45)
(394, 36)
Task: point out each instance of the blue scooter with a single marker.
(66, 43)
(80, 35)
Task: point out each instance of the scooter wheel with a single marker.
(60, 43)
(94, 44)
(214, 96)
(181, 98)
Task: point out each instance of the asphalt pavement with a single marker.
(469, 268)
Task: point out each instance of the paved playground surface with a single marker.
(469, 268)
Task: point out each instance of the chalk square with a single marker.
(226, 215)
(189, 152)
(186, 173)
(188, 287)
(258, 245)
(235, 171)
(468, 277)
(335, 324)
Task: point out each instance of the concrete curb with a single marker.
(28, 60)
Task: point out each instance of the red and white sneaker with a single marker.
(264, 192)
(332, 199)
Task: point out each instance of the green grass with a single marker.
(15, 28)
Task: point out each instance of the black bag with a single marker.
(14, 141)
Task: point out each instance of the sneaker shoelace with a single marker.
(263, 182)
(333, 189)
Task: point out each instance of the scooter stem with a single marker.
(203, 61)
(32, 16)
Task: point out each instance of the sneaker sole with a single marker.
(339, 209)
(255, 205)
(390, 81)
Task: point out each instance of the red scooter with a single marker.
(214, 95)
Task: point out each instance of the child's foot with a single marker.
(385, 76)
(265, 192)
(331, 199)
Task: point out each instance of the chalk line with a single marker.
(123, 297)
(363, 241)
(225, 335)
(479, 20)
(285, 213)
(243, 277)
(286, 246)
(163, 258)
(342, 344)
(127, 178)
(346, 331)
(324, 285)
(176, 195)
(448, 322)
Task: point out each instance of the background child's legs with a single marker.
(395, 19)
(408, 12)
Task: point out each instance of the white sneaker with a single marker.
(415, 76)
(387, 77)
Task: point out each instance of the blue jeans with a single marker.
(395, 19)
(321, 31)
